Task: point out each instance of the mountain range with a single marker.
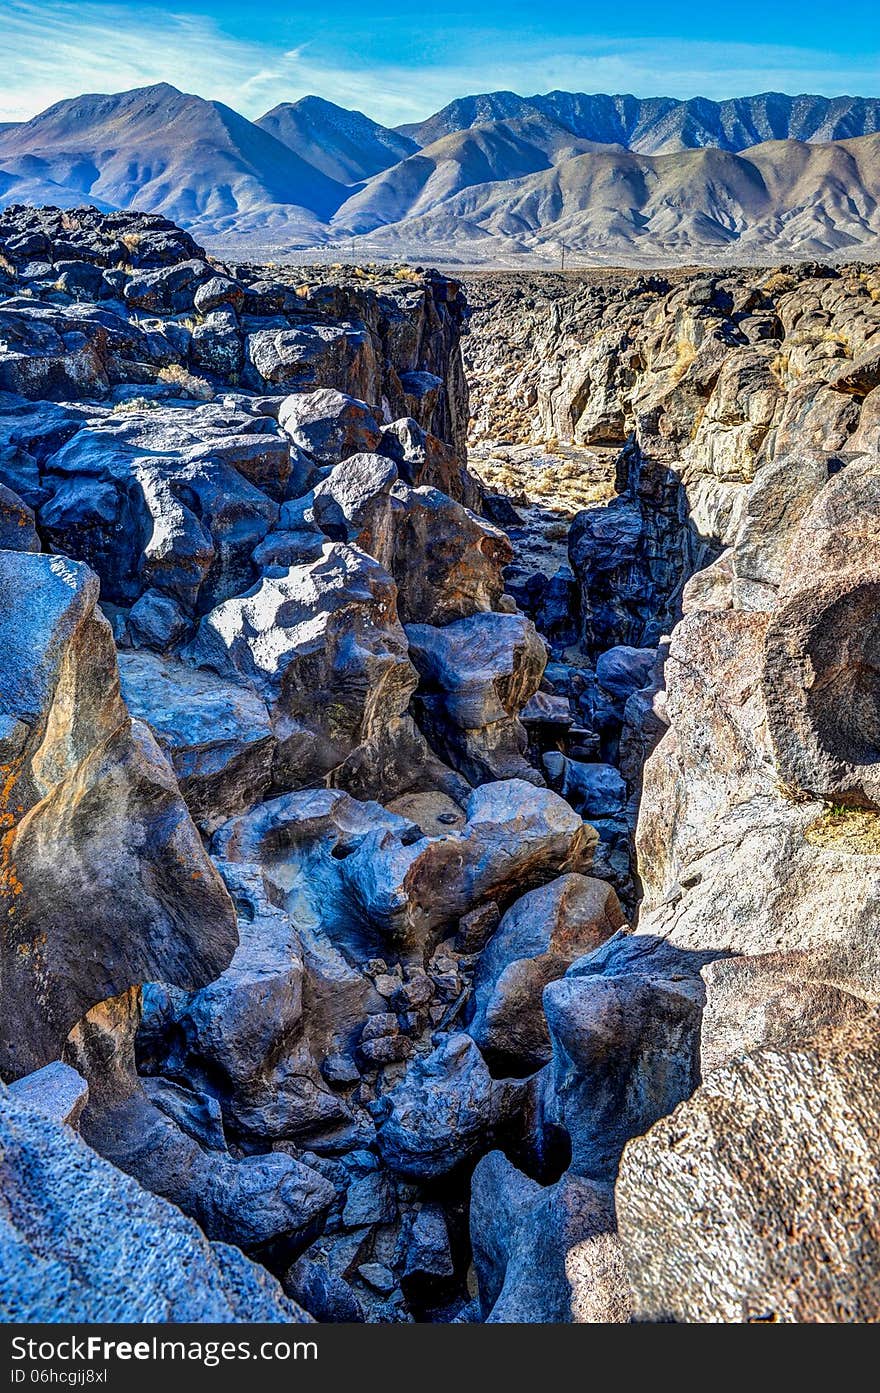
(492, 178)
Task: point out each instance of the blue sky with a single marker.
(400, 61)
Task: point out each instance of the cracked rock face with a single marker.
(92, 815)
(539, 937)
(322, 644)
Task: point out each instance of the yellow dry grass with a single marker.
(854, 830)
(564, 486)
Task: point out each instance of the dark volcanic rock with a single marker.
(82, 1242)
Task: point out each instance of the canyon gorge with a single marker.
(439, 787)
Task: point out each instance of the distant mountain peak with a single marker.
(610, 175)
(345, 145)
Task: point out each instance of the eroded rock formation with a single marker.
(462, 900)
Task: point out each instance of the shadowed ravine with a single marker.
(439, 780)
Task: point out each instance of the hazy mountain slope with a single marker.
(521, 181)
(788, 196)
(196, 161)
(656, 125)
(345, 145)
(496, 151)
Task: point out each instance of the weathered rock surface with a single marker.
(56, 1091)
(373, 879)
(475, 676)
(91, 816)
(445, 1111)
(546, 1253)
(756, 1199)
(266, 475)
(324, 648)
(216, 734)
(538, 938)
(83, 1243)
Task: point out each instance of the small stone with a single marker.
(385, 984)
(378, 1276)
(448, 985)
(475, 929)
(387, 1050)
(415, 993)
(369, 1201)
(381, 1024)
(339, 1069)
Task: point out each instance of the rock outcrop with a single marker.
(83, 1243)
(403, 899)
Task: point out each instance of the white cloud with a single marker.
(56, 49)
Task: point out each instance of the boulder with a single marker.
(253, 1201)
(219, 290)
(306, 356)
(169, 290)
(476, 674)
(328, 425)
(373, 880)
(56, 1091)
(45, 358)
(536, 941)
(447, 563)
(244, 1035)
(622, 670)
(156, 621)
(446, 1111)
(163, 500)
(322, 646)
(17, 531)
(624, 1027)
(596, 790)
(423, 460)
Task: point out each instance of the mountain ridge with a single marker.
(310, 176)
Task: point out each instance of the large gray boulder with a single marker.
(476, 675)
(373, 880)
(536, 941)
(303, 356)
(173, 499)
(446, 1111)
(253, 1201)
(624, 1025)
(329, 425)
(321, 644)
(245, 1037)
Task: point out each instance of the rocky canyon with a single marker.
(439, 786)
